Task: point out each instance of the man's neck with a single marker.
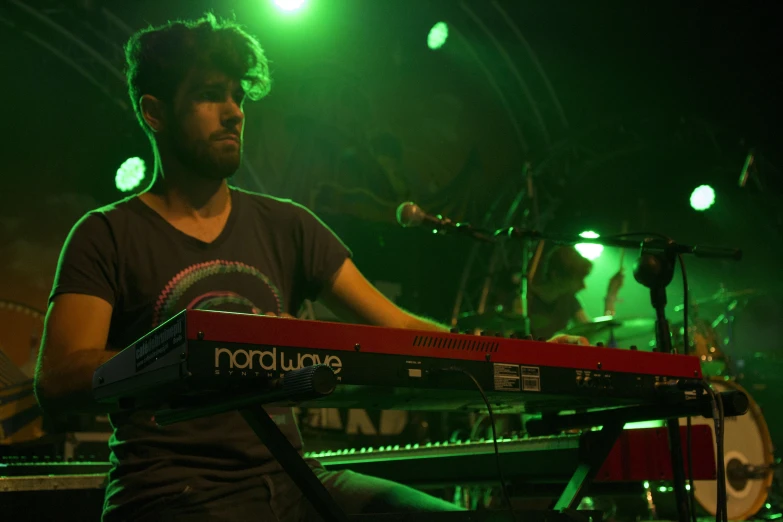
(197, 199)
(178, 193)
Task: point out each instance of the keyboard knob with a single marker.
(454, 330)
(599, 344)
(633, 347)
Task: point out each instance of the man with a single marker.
(552, 303)
(191, 241)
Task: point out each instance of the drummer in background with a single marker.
(552, 301)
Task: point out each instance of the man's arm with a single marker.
(72, 348)
(615, 284)
(352, 298)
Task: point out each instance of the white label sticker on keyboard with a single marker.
(506, 377)
(531, 378)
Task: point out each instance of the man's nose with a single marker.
(233, 116)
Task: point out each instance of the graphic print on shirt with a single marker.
(243, 289)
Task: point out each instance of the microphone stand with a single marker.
(528, 271)
(443, 225)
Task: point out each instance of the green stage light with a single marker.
(438, 36)
(702, 197)
(130, 174)
(289, 5)
(589, 251)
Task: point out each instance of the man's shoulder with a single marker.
(118, 214)
(270, 206)
(118, 207)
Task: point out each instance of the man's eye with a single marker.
(209, 96)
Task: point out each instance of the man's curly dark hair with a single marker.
(566, 261)
(159, 58)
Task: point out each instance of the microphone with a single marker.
(409, 214)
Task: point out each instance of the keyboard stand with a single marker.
(292, 462)
(307, 383)
(594, 448)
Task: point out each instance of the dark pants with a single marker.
(279, 500)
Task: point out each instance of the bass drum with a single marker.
(746, 442)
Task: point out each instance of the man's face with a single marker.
(570, 285)
(576, 285)
(207, 122)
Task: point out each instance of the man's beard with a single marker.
(204, 157)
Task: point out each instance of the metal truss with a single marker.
(85, 36)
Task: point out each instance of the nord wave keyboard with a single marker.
(638, 455)
(199, 353)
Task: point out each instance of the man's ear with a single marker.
(153, 112)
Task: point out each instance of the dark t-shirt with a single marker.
(547, 319)
(271, 255)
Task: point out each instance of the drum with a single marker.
(20, 333)
(762, 375)
(746, 442)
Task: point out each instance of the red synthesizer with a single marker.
(198, 352)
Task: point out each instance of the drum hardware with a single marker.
(737, 471)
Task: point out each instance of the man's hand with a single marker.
(569, 339)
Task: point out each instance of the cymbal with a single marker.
(597, 325)
(633, 327)
(497, 321)
(720, 297)
(621, 328)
